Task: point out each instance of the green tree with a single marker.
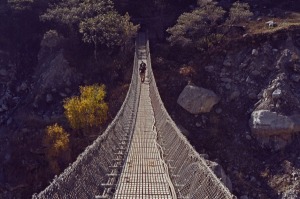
(199, 27)
(57, 142)
(239, 12)
(97, 20)
(72, 12)
(51, 39)
(20, 5)
(88, 111)
(110, 29)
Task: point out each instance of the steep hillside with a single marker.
(244, 74)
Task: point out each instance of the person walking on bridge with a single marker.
(142, 70)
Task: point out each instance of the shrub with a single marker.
(57, 141)
(88, 110)
(239, 12)
(194, 29)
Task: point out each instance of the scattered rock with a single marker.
(225, 79)
(204, 119)
(234, 95)
(209, 68)
(227, 63)
(68, 90)
(276, 93)
(218, 110)
(248, 137)
(198, 124)
(49, 98)
(63, 94)
(228, 86)
(9, 121)
(23, 86)
(248, 80)
(244, 197)
(296, 67)
(254, 52)
(243, 65)
(271, 23)
(4, 107)
(35, 105)
(284, 59)
(256, 73)
(3, 72)
(295, 78)
(197, 100)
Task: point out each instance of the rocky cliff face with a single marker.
(27, 105)
(32, 98)
(257, 81)
(262, 77)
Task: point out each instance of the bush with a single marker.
(239, 12)
(57, 142)
(89, 110)
(194, 29)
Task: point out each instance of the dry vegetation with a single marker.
(284, 22)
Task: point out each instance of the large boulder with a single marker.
(197, 100)
(56, 73)
(273, 129)
(53, 70)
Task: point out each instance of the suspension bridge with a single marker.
(141, 155)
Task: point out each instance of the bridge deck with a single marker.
(144, 175)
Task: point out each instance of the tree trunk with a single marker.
(94, 39)
(95, 51)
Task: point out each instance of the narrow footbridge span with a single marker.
(141, 155)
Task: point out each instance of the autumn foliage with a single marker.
(57, 142)
(87, 110)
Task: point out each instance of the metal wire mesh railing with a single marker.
(188, 171)
(86, 176)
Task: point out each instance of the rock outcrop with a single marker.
(273, 129)
(51, 75)
(197, 100)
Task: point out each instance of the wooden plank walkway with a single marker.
(144, 175)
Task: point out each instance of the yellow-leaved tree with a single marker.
(57, 141)
(88, 111)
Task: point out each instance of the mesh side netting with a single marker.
(84, 177)
(189, 172)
